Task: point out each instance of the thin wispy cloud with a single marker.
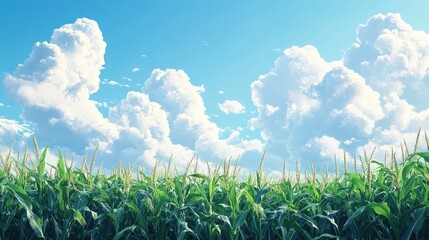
(114, 83)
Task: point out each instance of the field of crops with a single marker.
(390, 201)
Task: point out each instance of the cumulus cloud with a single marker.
(349, 100)
(190, 125)
(309, 108)
(291, 78)
(145, 131)
(392, 57)
(232, 106)
(326, 146)
(55, 84)
(135, 69)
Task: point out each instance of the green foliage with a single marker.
(392, 203)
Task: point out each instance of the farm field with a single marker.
(388, 202)
(215, 120)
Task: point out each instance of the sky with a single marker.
(146, 80)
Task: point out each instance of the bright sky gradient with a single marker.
(301, 80)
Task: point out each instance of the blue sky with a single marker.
(249, 89)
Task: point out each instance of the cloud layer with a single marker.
(307, 108)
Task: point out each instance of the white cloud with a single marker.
(221, 92)
(145, 131)
(392, 57)
(114, 83)
(102, 104)
(232, 106)
(374, 96)
(307, 108)
(1, 104)
(11, 126)
(9, 132)
(292, 76)
(135, 69)
(56, 81)
(327, 146)
(54, 86)
(110, 82)
(190, 125)
(346, 96)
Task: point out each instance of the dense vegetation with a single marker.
(388, 202)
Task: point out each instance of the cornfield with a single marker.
(388, 202)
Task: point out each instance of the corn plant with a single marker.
(388, 202)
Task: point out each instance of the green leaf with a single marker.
(123, 231)
(326, 235)
(384, 210)
(42, 164)
(241, 218)
(79, 218)
(424, 155)
(416, 224)
(25, 201)
(61, 165)
(331, 220)
(357, 182)
(356, 214)
(224, 219)
(381, 209)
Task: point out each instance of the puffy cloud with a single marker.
(283, 92)
(347, 98)
(394, 60)
(308, 108)
(55, 82)
(189, 124)
(135, 69)
(392, 57)
(54, 86)
(231, 106)
(285, 95)
(374, 96)
(145, 131)
(326, 146)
